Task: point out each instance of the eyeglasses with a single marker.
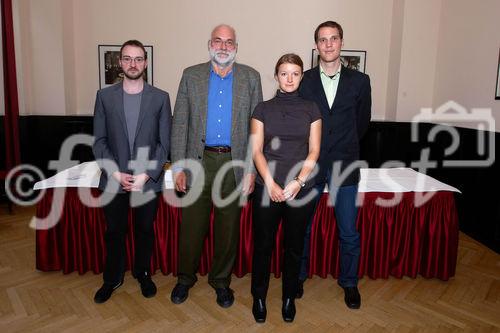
(128, 60)
(217, 42)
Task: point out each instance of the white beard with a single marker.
(222, 61)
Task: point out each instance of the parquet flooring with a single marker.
(33, 301)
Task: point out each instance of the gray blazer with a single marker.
(190, 113)
(153, 131)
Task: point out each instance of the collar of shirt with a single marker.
(228, 75)
(330, 84)
(326, 76)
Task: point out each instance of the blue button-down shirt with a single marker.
(220, 101)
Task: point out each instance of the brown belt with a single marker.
(219, 149)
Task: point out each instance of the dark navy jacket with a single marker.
(344, 124)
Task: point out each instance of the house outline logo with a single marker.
(444, 118)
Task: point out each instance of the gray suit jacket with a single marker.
(153, 131)
(190, 113)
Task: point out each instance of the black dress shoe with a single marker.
(148, 287)
(288, 310)
(225, 297)
(179, 293)
(352, 297)
(259, 310)
(300, 289)
(104, 293)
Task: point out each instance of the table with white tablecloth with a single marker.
(417, 235)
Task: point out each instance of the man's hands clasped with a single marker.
(130, 182)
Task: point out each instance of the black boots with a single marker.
(259, 310)
(288, 310)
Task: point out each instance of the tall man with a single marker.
(130, 118)
(344, 98)
(211, 125)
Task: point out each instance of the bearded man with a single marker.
(130, 118)
(211, 121)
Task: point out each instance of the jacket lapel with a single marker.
(318, 87)
(341, 88)
(202, 93)
(118, 102)
(238, 86)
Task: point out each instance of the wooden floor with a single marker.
(52, 302)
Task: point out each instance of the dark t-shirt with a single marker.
(287, 122)
(131, 108)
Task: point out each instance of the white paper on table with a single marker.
(400, 180)
(82, 175)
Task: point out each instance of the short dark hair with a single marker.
(289, 58)
(136, 43)
(328, 24)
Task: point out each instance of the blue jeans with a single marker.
(346, 214)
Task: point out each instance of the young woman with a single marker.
(286, 134)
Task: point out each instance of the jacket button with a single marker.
(199, 157)
(203, 140)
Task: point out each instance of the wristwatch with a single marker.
(301, 183)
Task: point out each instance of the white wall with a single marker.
(394, 58)
(419, 45)
(179, 31)
(419, 54)
(467, 59)
(39, 56)
(265, 29)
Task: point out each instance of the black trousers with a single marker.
(265, 225)
(116, 213)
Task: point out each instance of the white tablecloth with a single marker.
(372, 180)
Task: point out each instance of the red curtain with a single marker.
(12, 152)
(398, 241)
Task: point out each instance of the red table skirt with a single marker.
(403, 240)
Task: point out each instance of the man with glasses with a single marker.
(344, 98)
(132, 123)
(211, 126)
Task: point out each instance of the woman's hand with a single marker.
(291, 190)
(275, 192)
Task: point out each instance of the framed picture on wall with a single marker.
(110, 71)
(353, 59)
(497, 90)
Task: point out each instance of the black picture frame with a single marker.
(110, 71)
